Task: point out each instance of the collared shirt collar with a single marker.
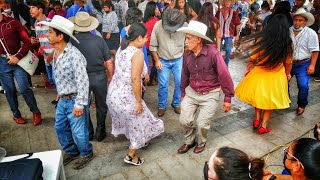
(204, 50)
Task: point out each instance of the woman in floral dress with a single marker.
(130, 115)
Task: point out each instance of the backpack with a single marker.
(22, 169)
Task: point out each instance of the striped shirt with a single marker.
(41, 31)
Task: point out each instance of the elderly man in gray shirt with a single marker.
(167, 46)
(98, 57)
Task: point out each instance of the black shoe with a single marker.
(90, 136)
(54, 102)
(100, 137)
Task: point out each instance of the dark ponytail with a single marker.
(256, 168)
(136, 29)
(234, 164)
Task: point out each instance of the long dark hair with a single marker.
(136, 29)
(186, 8)
(96, 4)
(273, 44)
(235, 164)
(307, 151)
(133, 15)
(282, 7)
(206, 15)
(149, 12)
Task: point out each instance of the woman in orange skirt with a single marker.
(265, 85)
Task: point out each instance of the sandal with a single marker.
(256, 123)
(300, 110)
(128, 159)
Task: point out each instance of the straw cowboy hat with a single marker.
(62, 24)
(83, 22)
(304, 13)
(196, 28)
(66, 1)
(172, 19)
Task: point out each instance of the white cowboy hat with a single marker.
(62, 24)
(304, 13)
(83, 22)
(65, 2)
(196, 28)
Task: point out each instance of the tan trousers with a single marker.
(207, 105)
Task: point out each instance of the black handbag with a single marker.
(22, 169)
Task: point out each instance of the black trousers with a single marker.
(98, 85)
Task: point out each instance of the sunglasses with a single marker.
(286, 152)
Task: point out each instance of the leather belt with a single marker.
(69, 96)
(301, 61)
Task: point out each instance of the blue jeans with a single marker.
(300, 71)
(7, 75)
(72, 131)
(50, 75)
(175, 66)
(228, 48)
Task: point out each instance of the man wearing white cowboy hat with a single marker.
(204, 74)
(98, 57)
(72, 84)
(305, 54)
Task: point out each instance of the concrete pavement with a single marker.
(162, 161)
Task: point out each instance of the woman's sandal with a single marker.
(256, 123)
(264, 130)
(128, 159)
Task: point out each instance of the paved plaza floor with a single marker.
(162, 161)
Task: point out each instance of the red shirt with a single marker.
(149, 25)
(12, 34)
(52, 13)
(228, 26)
(206, 72)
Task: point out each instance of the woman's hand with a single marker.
(146, 78)
(108, 35)
(139, 108)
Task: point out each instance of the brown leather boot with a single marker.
(161, 112)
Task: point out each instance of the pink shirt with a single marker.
(149, 25)
(52, 13)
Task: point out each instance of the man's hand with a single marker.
(236, 38)
(226, 106)
(77, 112)
(181, 99)
(158, 65)
(13, 60)
(310, 69)
(109, 78)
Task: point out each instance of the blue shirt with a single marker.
(144, 48)
(72, 11)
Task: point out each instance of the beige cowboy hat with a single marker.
(62, 24)
(83, 22)
(196, 28)
(304, 13)
(66, 1)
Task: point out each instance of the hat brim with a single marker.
(94, 24)
(308, 16)
(195, 33)
(58, 28)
